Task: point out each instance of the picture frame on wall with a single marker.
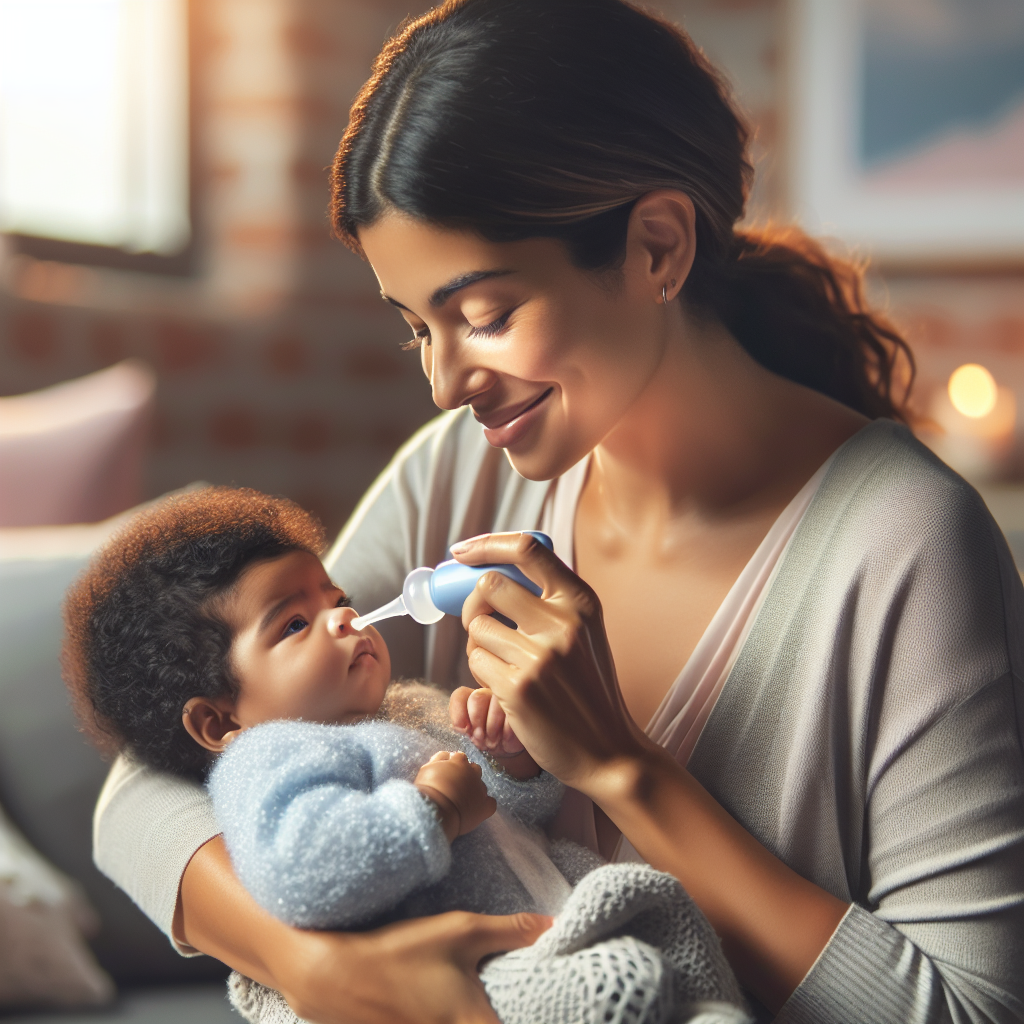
(906, 128)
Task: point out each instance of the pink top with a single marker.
(679, 720)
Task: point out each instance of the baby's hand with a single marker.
(477, 714)
(454, 784)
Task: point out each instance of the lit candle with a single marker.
(977, 418)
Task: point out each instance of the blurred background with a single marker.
(163, 188)
(173, 309)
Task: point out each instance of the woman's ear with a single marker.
(662, 241)
(210, 723)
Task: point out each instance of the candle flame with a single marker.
(972, 390)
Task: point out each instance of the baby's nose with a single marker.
(339, 622)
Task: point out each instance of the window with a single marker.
(94, 130)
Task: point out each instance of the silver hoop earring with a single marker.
(664, 296)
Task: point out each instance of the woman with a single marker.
(548, 192)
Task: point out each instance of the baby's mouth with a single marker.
(363, 646)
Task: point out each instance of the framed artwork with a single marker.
(907, 127)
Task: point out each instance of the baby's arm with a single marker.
(321, 831)
(477, 714)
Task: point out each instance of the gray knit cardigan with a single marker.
(870, 733)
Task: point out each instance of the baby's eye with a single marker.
(344, 601)
(297, 625)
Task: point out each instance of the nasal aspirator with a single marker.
(429, 594)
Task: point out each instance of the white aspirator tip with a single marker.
(415, 602)
(386, 611)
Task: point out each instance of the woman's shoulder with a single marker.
(896, 545)
(887, 492)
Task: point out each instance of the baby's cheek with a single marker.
(384, 660)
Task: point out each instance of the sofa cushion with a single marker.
(183, 1004)
(43, 918)
(49, 776)
(73, 453)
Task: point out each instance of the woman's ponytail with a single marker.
(802, 313)
(526, 118)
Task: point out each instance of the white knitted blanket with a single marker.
(629, 947)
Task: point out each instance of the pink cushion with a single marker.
(73, 453)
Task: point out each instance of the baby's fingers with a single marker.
(510, 742)
(458, 712)
(495, 724)
(478, 706)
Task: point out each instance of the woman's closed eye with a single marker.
(419, 337)
(494, 327)
(486, 331)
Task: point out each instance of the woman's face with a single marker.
(550, 357)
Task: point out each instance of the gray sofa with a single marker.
(49, 780)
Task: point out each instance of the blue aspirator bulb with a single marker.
(429, 594)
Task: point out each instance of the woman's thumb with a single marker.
(494, 934)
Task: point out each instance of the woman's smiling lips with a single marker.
(504, 427)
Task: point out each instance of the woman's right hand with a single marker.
(554, 675)
(422, 971)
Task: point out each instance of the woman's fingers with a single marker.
(537, 562)
(496, 592)
(487, 934)
(490, 671)
(423, 971)
(554, 676)
(515, 647)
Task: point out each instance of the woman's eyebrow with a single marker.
(441, 295)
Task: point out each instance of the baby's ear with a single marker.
(211, 723)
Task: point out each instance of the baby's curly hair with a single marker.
(142, 634)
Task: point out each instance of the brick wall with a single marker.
(278, 364)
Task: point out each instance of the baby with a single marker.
(206, 639)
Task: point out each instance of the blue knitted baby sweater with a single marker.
(326, 829)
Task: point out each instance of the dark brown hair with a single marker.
(141, 631)
(526, 118)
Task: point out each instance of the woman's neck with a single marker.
(713, 435)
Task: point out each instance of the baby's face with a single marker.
(295, 653)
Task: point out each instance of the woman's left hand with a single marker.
(554, 676)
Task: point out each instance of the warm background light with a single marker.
(94, 122)
(972, 390)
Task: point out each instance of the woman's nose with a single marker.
(454, 380)
(339, 622)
